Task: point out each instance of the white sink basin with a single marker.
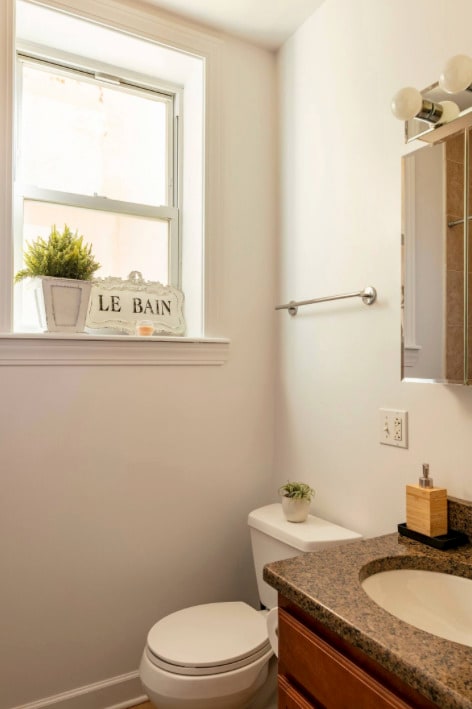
(439, 603)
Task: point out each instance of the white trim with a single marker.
(7, 63)
(411, 355)
(92, 350)
(114, 693)
(121, 15)
(130, 703)
(103, 204)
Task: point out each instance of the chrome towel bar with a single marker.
(368, 295)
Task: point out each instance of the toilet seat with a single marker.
(208, 639)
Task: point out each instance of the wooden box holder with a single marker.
(426, 510)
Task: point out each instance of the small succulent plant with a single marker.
(61, 255)
(296, 491)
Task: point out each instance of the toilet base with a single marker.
(266, 696)
(224, 691)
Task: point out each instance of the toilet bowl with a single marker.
(214, 655)
(218, 655)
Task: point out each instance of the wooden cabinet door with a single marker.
(289, 698)
(330, 678)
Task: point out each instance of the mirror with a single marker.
(436, 260)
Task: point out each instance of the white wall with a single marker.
(341, 217)
(106, 472)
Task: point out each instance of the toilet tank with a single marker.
(273, 538)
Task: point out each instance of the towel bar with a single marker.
(368, 295)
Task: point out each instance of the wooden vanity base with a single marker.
(319, 670)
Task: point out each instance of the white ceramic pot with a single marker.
(62, 303)
(295, 510)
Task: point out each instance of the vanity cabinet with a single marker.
(289, 698)
(319, 670)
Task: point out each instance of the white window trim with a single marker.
(38, 349)
(91, 350)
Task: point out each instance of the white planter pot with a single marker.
(295, 510)
(62, 303)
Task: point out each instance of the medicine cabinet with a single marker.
(437, 257)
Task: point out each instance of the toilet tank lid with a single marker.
(310, 535)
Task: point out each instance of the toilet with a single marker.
(218, 655)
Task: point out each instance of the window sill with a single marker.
(20, 349)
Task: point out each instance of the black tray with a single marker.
(443, 541)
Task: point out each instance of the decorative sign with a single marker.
(136, 306)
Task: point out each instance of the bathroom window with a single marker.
(164, 225)
(108, 138)
(99, 153)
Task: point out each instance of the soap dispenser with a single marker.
(426, 506)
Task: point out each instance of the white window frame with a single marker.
(19, 349)
(81, 67)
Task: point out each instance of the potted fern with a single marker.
(61, 268)
(296, 498)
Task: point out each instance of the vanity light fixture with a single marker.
(409, 103)
(457, 74)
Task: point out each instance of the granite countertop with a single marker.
(327, 586)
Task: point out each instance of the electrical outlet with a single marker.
(393, 427)
(397, 428)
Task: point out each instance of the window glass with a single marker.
(120, 242)
(85, 137)
(98, 157)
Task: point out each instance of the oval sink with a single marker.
(439, 603)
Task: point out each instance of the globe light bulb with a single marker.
(450, 111)
(457, 74)
(406, 103)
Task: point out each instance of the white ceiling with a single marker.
(265, 22)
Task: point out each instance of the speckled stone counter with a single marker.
(327, 586)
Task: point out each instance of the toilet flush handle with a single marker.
(272, 621)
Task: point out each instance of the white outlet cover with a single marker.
(388, 425)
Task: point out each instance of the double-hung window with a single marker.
(97, 149)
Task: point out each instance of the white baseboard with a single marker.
(118, 692)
